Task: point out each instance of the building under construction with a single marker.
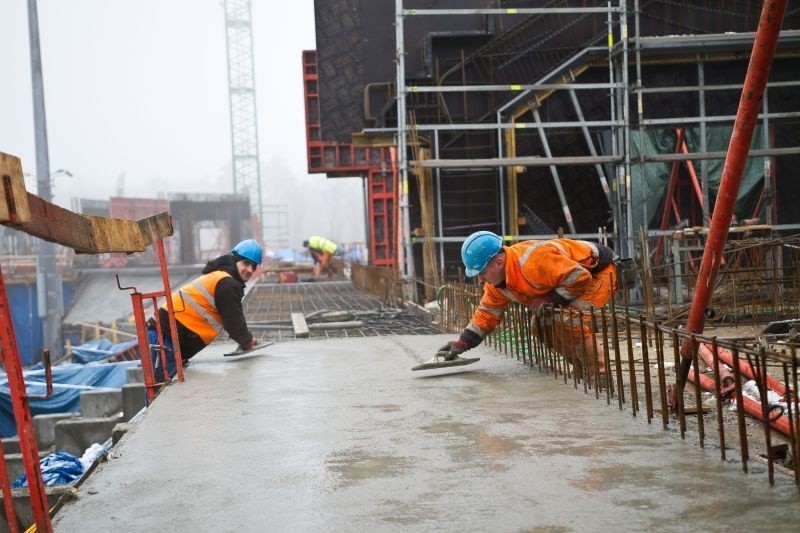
(616, 122)
(591, 119)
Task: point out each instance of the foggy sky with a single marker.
(140, 87)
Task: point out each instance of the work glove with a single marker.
(538, 303)
(452, 349)
(249, 346)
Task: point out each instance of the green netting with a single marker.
(649, 181)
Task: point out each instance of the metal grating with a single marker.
(268, 309)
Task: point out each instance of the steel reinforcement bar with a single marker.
(744, 386)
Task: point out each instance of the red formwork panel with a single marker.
(344, 159)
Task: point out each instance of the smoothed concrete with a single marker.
(340, 435)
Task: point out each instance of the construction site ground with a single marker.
(337, 434)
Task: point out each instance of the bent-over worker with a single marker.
(563, 272)
(321, 250)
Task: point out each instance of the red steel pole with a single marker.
(766, 41)
(22, 416)
(173, 328)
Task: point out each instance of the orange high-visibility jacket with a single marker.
(534, 270)
(197, 311)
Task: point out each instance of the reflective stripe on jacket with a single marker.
(322, 244)
(534, 270)
(198, 311)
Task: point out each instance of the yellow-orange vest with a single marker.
(196, 310)
(322, 244)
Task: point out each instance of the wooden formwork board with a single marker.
(83, 233)
(14, 204)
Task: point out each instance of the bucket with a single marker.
(288, 277)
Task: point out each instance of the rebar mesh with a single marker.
(268, 309)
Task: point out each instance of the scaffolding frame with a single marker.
(622, 54)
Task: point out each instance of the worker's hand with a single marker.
(249, 346)
(537, 304)
(452, 349)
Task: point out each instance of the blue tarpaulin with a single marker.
(58, 468)
(68, 382)
(99, 349)
(25, 318)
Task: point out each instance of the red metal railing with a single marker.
(138, 299)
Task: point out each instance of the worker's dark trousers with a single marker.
(155, 355)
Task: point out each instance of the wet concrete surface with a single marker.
(340, 435)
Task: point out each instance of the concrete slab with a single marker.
(134, 374)
(44, 426)
(340, 435)
(101, 402)
(134, 399)
(76, 434)
(22, 505)
(118, 432)
(15, 464)
(11, 445)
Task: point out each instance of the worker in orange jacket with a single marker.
(207, 305)
(562, 272)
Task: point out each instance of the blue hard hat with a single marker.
(249, 249)
(478, 249)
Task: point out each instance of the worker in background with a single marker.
(205, 306)
(562, 272)
(321, 250)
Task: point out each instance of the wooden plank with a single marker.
(27, 212)
(13, 197)
(300, 326)
(336, 325)
(156, 227)
(115, 235)
(56, 224)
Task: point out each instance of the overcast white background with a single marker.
(140, 87)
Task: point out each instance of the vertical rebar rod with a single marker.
(718, 396)
(662, 379)
(631, 369)
(698, 392)
(743, 447)
(648, 388)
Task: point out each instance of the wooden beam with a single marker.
(14, 204)
(83, 233)
(300, 326)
